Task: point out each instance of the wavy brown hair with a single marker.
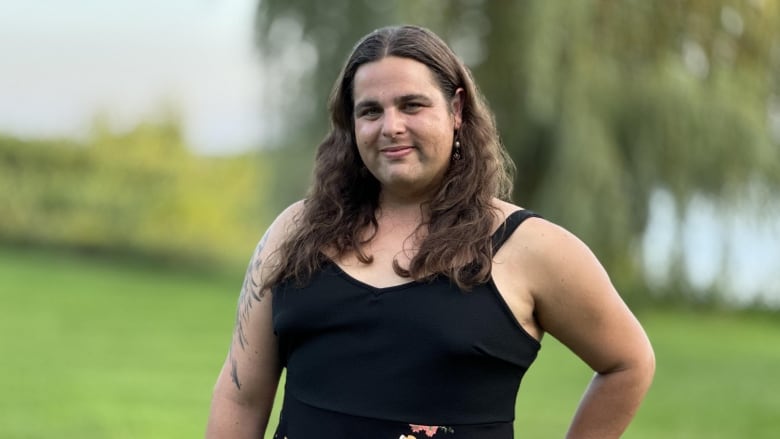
(340, 208)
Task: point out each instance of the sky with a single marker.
(62, 62)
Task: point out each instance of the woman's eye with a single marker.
(369, 113)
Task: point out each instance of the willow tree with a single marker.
(601, 103)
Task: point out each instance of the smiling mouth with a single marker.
(396, 152)
(395, 149)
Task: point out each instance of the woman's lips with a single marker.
(396, 151)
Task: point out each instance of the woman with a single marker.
(405, 296)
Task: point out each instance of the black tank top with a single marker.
(421, 359)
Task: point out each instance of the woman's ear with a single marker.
(456, 103)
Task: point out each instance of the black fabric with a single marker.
(511, 223)
(365, 362)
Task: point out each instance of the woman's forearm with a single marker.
(229, 419)
(610, 402)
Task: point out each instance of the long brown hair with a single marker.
(340, 207)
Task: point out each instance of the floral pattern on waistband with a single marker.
(429, 430)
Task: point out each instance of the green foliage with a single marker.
(141, 192)
(601, 103)
(92, 349)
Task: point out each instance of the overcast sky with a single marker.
(63, 61)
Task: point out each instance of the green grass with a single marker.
(97, 349)
(717, 376)
(91, 349)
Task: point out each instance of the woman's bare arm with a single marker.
(575, 301)
(246, 386)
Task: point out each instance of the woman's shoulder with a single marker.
(290, 214)
(280, 230)
(504, 209)
(284, 224)
(538, 234)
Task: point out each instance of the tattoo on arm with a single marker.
(234, 370)
(250, 293)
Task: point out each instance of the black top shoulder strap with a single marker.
(511, 223)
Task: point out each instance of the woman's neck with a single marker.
(406, 213)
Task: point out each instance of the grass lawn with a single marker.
(717, 376)
(96, 349)
(92, 349)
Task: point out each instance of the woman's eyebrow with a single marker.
(366, 104)
(412, 97)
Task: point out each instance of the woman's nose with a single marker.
(393, 123)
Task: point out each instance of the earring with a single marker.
(456, 151)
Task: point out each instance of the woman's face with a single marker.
(404, 126)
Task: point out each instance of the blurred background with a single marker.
(145, 147)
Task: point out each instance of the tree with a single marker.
(601, 103)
